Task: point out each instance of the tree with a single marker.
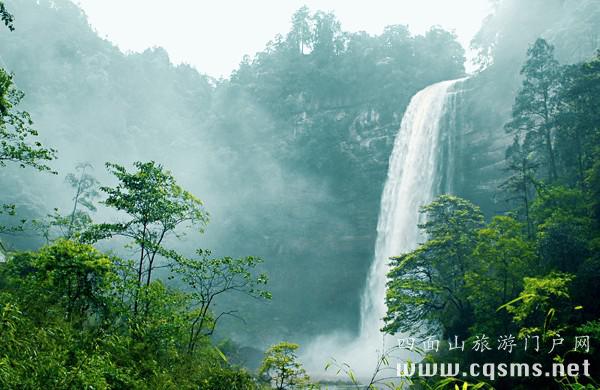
(15, 135)
(502, 257)
(535, 108)
(579, 136)
(16, 131)
(209, 278)
(327, 37)
(85, 186)
(157, 206)
(72, 275)
(281, 367)
(426, 287)
(521, 183)
(300, 35)
(564, 233)
(71, 226)
(540, 301)
(438, 42)
(6, 17)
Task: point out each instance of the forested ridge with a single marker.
(151, 214)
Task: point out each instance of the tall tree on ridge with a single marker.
(301, 34)
(536, 106)
(522, 180)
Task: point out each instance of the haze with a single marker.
(214, 36)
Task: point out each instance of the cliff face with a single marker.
(480, 146)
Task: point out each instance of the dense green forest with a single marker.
(158, 229)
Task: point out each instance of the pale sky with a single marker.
(213, 36)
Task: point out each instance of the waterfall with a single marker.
(417, 166)
(414, 177)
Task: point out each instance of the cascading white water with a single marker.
(413, 180)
